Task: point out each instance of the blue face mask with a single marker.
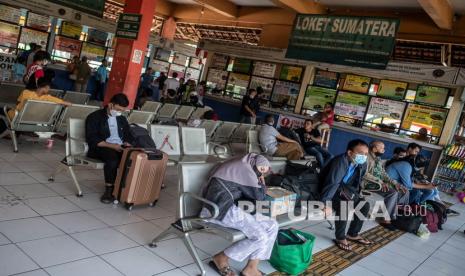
(360, 159)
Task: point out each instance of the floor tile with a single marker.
(209, 243)
(193, 269)
(13, 261)
(16, 157)
(52, 205)
(381, 267)
(3, 239)
(175, 252)
(48, 156)
(115, 216)
(16, 179)
(76, 222)
(163, 223)
(357, 270)
(34, 166)
(141, 232)
(88, 267)
(103, 241)
(12, 208)
(137, 261)
(31, 191)
(43, 176)
(88, 201)
(28, 229)
(55, 250)
(155, 212)
(8, 168)
(67, 188)
(38, 272)
(174, 272)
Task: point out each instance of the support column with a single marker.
(129, 54)
(51, 37)
(306, 80)
(169, 29)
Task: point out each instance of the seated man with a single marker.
(340, 185)
(398, 153)
(402, 171)
(393, 193)
(311, 140)
(107, 132)
(39, 94)
(269, 138)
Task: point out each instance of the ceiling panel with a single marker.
(189, 2)
(373, 4)
(254, 3)
(459, 6)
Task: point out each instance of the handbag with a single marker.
(292, 251)
(347, 195)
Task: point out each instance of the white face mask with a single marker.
(115, 113)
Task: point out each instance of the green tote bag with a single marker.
(292, 251)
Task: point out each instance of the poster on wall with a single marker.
(355, 83)
(37, 21)
(266, 84)
(180, 59)
(284, 91)
(392, 89)
(418, 116)
(237, 84)
(264, 69)
(351, 105)
(163, 55)
(93, 52)
(326, 79)
(216, 79)
(316, 97)
(290, 122)
(384, 108)
(71, 30)
(33, 36)
(242, 65)
(8, 34)
(192, 74)
(71, 46)
(433, 95)
(6, 67)
(290, 73)
(178, 69)
(10, 14)
(160, 66)
(219, 61)
(97, 37)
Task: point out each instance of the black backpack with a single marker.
(141, 137)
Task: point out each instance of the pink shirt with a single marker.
(330, 119)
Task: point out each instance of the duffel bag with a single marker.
(407, 220)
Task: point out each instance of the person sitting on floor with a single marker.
(393, 193)
(38, 94)
(234, 180)
(269, 138)
(311, 140)
(107, 132)
(340, 183)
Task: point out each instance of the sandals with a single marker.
(225, 271)
(343, 246)
(359, 240)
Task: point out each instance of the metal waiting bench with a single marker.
(150, 106)
(192, 178)
(198, 113)
(184, 113)
(76, 97)
(76, 111)
(167, 111)
(210, 127)
(140, 117)
(9, 92)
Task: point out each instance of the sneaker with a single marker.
(107, 198)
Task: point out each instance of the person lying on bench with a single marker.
(340, 184)
(107, 133)
(286, 147)
(241, 179)
(38, 94)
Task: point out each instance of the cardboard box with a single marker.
(281, 200)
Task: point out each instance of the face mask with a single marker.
(115, 113)
(379, 154)
(360, 159)
(257, 172)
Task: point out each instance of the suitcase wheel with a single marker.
(128, 206)
(153, 203)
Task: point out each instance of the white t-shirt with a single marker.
(114, 135)
(171, 83)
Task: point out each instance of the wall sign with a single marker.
(264, 69)
(284, 91)
(351, 105)
(266, 84)
(392, 89)
(37, 21)
(97, 37)
(33, 36)
(242, 65)
(290, 121)
(433, 95)
(418, 116)
(71, 30)
(316, 97)
(347, 40)
(384, 108)
(326, 79)
(9, 34)
(359, 84)
(291, 73)
(128, 26)
(219, 61)
(71, 46)
(10, 14)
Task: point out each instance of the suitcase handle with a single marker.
(126, 170)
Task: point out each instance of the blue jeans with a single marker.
(419, 196)
(321, 155)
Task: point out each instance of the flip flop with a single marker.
(342, 246)
(262, 273)
(225, 271)
(360, 240)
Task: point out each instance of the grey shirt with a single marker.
(268, 138)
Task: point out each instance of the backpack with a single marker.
(430, 217)
(441, 211)
(407, 219)
(141, 137)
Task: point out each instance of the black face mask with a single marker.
(378, 154)
(257, 172)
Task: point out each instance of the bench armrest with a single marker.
(184, 195)
(6, 108)
(215, 146)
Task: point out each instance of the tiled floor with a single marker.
(46, 230)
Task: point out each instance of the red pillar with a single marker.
(169, 29)
(125, 71)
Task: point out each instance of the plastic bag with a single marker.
(423, 231)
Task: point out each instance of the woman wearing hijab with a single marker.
(235, 180)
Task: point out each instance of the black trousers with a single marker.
(341, 223)
(111, 158)
(3, 125)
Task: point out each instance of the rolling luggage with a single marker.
(140, 177)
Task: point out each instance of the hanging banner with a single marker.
(359, 84)
(10, 14)
(8, 34)
(326, 79)
(33, 36)
(316, 97)
(290, 122)
(37, 21)
(418, 116)
(351, 105)
(347, 40)
(97, 37)
(433, 95)
(392, 89)
(67, 45)
(266, 84)
(93, 7)
(71, 30)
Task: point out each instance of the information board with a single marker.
(418, 116)
(71, 30)
(266, 84)
(93, 52)
(8, 34)
(163, 55)
(433, 95)
(316, 97)
(219, 61)
(160, 66)
(33, 36)
(10, 14)
(97, 37)
(180, 59)
(71, 46)
(326, 79)
(285, 91)
(237, 83)
(192, 74)
(242, 65)
(37, 21)
(355, 83)
(351, 105)
(217, 78)
(290, 73)
(264, 69)
(128, 25)
(384, 108)
(392, 89)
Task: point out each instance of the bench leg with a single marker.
(331, 225)
(168, 232)
(76, 183)
(61, 168)
(14, 139)
(193, 251)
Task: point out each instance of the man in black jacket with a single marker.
(107, 132)
(340, 184)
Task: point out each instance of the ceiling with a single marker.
(254, 3)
